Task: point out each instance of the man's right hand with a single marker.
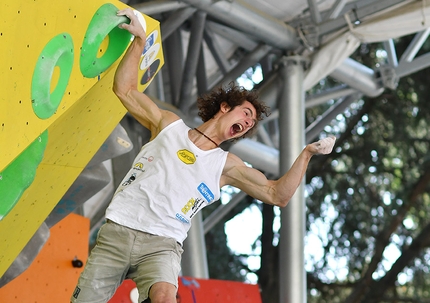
(135, 27)
(322, 147)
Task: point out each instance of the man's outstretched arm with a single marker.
(275, 192)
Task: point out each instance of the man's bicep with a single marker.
(143, 109)
(238, 174)
(251, 181)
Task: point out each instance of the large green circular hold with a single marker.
(58, 52)
(104, 23)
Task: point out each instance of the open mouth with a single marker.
(237, 128)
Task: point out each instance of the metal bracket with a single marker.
(387, 74)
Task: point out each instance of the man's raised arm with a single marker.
(139, 105)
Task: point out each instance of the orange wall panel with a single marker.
(51, 277)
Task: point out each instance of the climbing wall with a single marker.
(52, 276)
(56, 106)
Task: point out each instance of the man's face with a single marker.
(242, 118)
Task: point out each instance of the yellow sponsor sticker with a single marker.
(138, 165)
(186, 156)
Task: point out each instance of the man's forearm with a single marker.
(289, 182)
(126, 76)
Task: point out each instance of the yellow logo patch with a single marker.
(138, 165)
(186, 156)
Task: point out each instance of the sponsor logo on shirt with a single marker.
(206, 192)
(129, 180)
(138, 166)
(188, 206)
(192, 205)
(198, 205)
(182, 218)
(186, 156)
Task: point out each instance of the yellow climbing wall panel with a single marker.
(46, 88)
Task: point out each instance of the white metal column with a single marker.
(292, 141)
(194, 258)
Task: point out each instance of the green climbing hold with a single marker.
(104, 23)
(19, 174)
(57, 52)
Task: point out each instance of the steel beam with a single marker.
(358, 76)
(190, 67)
(161, 6)
(239, 15)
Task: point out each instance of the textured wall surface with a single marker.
(57, 106)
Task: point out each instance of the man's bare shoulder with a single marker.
(167, 118)
(233, 161)
(230, 170)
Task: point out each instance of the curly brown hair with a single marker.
(233, 95)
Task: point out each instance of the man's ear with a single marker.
(224, 107)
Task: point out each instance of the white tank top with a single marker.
(170, 181)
